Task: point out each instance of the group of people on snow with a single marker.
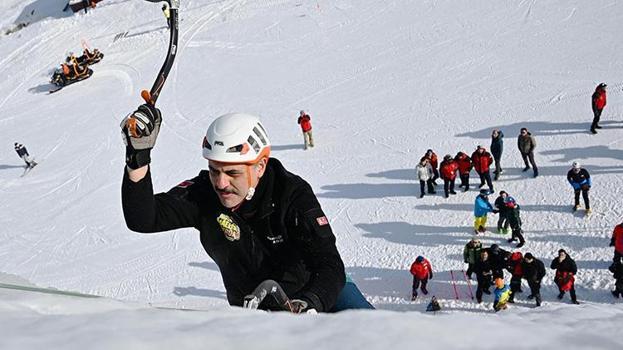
(428, 170)
(488, 264)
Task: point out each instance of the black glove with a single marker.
(140, 130)
(612, 242)
(495, 211)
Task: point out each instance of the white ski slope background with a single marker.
(383, 81)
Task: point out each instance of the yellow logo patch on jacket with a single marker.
(229, 227)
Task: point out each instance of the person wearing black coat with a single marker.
(499, 204)
(617, 270)
(256, 220)
(497, 146)
(484, 275)
(498, 258)
(533, 271)
(566, 269)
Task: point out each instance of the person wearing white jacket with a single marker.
(424, 173)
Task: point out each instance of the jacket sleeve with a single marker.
(466, 255)
(540, 270)
(574, 267)
(314, 237)
(430, 270)
(554, 264)
(145, 212)
(532, 143)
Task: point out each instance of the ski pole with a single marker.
(456, 293)
(152, 95)
(469, 284)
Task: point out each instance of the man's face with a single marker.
(524, 132)
(231, 182)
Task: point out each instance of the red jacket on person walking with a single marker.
(305, 122)
(422, 270)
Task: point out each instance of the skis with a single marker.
(29, 168)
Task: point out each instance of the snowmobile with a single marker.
(68, 74)
(88, 58)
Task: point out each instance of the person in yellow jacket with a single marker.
(167, 14)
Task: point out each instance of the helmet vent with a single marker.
(257, 132)
(254, 144)
(206, 144)
(235, 149)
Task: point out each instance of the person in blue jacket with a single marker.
(481, 208)
(501, 295)
(497, 146)
(580, 180)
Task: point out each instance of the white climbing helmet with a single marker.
(575, 165)
(236, 138)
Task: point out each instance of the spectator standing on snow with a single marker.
(432, 159)
(448, 169)
(566, 269)
(514, 219)
(526, 144)
(22, 152)
(499, 259)
(464, 163)
(422, 271)
(305, 122)
(424, 173)
(617, 270)
(484, 275)
(580, 180)
(481, 159)
(533, 271)
(500, 205)
(471, 255)
(497, 146)
(481, 208)
(598, 102)
(516, 270)
(617, 242)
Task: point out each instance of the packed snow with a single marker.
(383, 82)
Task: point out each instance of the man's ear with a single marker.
(261, 167)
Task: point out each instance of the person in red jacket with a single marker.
(598, 103)
(448, 169)
(617, 242)
(432, 160)
(422, 271)
(464, 163)
(516, 270)
(305, 122)
(482, 161)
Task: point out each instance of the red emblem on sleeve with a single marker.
(322, 221)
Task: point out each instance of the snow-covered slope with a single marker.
(383, 82)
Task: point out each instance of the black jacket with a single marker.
(534, 271)
(483, 269)
(21, 150)
(497, 145)
(567, 265)
(281, 234)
